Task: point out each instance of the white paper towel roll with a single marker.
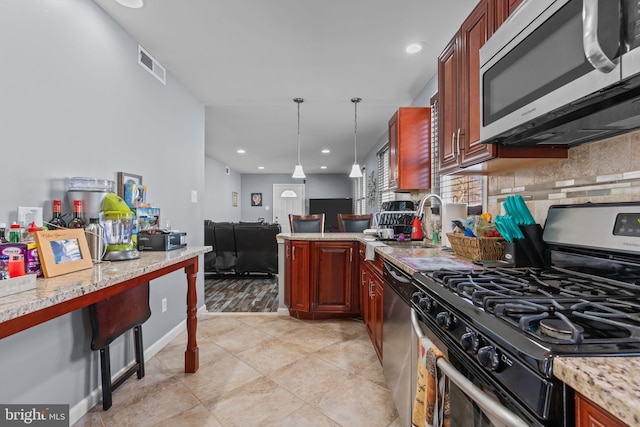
(451, 211)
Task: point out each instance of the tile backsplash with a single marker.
(599, 172)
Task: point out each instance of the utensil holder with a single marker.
(530, 251)
(539, 254)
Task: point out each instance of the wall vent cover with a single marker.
(149, 63)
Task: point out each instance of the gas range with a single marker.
(507, 324)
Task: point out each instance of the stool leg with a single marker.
(105, 369)
(139, 350)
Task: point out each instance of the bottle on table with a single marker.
(56, 221)
(78, 217)
(15, 233)
(3, 228)
(30, 236)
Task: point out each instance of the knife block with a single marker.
(530, 251)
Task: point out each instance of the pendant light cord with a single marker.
(355, 130)
(298, 101)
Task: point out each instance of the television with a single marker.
(331, 208)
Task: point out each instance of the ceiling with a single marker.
(246, 60)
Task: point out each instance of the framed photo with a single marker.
(127, 178)
(234, 199)
(256, 199)
(63, 251)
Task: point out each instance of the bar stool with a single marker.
(354, 223)
(307, 223)
(112, 317)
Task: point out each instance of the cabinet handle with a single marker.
(362, 279)
(371, 295)
(453, 144)
(350, 254)
(286, 252)
(458, 144)
(293, 252)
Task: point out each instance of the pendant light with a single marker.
(355, 169)
(298, 172)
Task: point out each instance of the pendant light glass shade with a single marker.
(298, 172)
(355, 169)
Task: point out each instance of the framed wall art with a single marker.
(127, 178)
(63, 251)
(256, 199)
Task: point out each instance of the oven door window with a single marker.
(464, 412)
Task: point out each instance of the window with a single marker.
(384, 194)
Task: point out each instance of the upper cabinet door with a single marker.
(474, 33)
(410, 149)
(448, 103)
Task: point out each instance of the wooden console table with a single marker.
(60, 295)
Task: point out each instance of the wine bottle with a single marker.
(56, 220)
(78, 218)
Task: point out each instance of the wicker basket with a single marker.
(477, 249)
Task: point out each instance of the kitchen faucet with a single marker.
(420, 210)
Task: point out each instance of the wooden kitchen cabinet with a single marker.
(334, 282)
(410, 149)
(588, 414)
(321, 279)
(297, 275)
(371, 293)
(460, 149)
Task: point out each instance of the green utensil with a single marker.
(502, 229)
(523, 210)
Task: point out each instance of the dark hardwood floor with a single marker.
(241, 294)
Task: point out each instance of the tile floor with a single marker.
(258, 369)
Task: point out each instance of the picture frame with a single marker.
(256, 199)
(63, 251)
(127, 178)
(234, 199)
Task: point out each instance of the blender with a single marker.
(117, 220)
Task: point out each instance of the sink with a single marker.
(409, 244)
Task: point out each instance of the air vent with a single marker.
(149, 63)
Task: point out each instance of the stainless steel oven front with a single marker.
(473, 400)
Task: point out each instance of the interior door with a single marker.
(287, 199)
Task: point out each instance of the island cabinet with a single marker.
(459, 144)
(410, 149)
(321, 279)
(588, 414)
(371, 290)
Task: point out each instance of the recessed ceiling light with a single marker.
(131, 4)
(323, 167)
(260, 167)
(240, 151)
(414, 47)
(326, 151)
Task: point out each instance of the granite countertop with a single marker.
(55, 290)
(608, 381)
(611, 382)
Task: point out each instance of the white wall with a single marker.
(75, 102)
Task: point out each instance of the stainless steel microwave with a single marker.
(561, 73)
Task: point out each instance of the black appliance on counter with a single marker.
(502, 327)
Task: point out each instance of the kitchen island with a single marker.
(607, 381)
(56, 296)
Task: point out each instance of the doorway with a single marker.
(287, 199)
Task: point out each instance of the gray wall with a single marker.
(75, 102)
(318, 186)
(218, 189)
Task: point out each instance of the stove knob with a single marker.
(489, 357)
(416, 297)
(445, 320)
(470, 342)
(426, 304)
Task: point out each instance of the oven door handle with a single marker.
(488, 404)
